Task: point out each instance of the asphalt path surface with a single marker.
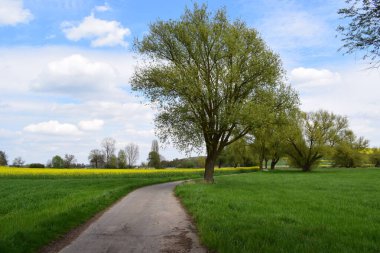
(149, 219)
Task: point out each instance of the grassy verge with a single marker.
(37, 206)
(330, 210)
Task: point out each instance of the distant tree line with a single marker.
(191, 162)
(67, 161)
(106, 157)
(341, 148)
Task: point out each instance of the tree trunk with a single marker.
(266, 164)
(261, 163)
(209, 168)
(272, 164)
(306, 167)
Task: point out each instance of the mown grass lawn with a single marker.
(328, 210)
(39, 205)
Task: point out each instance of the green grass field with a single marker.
(38, 206)
(328, 210)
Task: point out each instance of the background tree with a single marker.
(18, 162)
(69, 161)
(96, 158)
(350, 151)
(154, 159)
(222, 159)
(132, 153)
(260, 146)
(155, 146)
(312, 137)
(204, 76)
(122, 159)
(113, 162)
(374, 157)
(37, 165)
(362, 32)
(238, 153)
(277, 145)
(109, 147)
(275, 116)
(57, 162)
(3, 158)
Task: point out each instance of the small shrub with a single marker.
(36, 165)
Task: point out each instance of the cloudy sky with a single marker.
(65, 67)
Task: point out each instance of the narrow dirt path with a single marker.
(149, 219)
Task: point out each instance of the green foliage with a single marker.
(238, 154)
(191, 162)
(154, 160)
(270, 133)
(57, 162)
(313, 136)
(206, 75)
(121, 159)
(3, 159)
(187, 163)
(331, 210)
(361, 33)
(112, 162)
(375, 157)
(36, 165)
(346, 156)
(96, 158)
(349, 152)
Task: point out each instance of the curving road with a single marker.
(149, 219)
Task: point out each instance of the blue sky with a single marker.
(65, 67)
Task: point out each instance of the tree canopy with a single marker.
(312, 137)
(206, 75)
(349, 152)
(3, 158)
(362, 32)
(132, 154)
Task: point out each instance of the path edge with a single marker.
(63, 240)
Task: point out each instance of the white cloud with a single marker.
(12, 12)
(119, 109)
(53, 127)
(103, 8)
(100, 32)
(355, 95)
(310, 77)
(76, 74)
(91, 125)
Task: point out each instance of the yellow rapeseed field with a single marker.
(91, 171)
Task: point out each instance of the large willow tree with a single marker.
(206, 75)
